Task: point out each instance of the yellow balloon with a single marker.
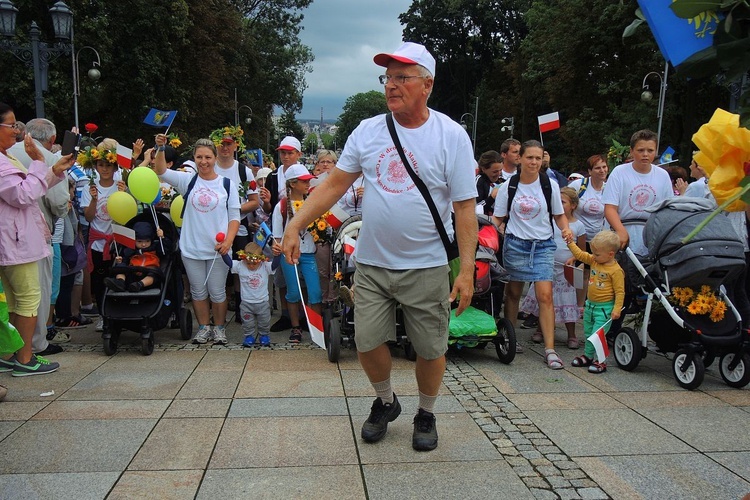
(175, 210)
(121, 207)
(144, 184)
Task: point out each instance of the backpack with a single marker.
(546, 183)
(225, 182)
(584, 186)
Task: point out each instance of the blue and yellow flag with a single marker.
(159, 118)
(678, 38)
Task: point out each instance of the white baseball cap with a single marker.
(290, 142)
(574, 176)
(408, 53)
(298, 171)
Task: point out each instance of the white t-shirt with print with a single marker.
(632, 193)
(206, 212)
(398, 231)
(590, 209)
(233, 174)
(307, 244)
(102, 220)
(253, 284)
(529, 217)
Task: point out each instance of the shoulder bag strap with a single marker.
(419, 183)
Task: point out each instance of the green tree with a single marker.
(288, 125)
(310, 144)
(357, 108)
(328, 140)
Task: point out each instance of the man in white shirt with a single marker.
(400, 256)
(510, 151)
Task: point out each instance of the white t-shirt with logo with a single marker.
(632, 193)
(306, 245)
(233, 173)
(529, 217)
(206, 212)
(253, 284)
(398, 231)
(102, 220)
(590, 208)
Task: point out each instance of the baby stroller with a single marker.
(338, 320)
(151, 309)
(713, 257)
(481, 323)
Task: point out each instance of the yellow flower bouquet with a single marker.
(700, 302)
(321, 230)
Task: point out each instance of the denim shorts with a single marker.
(529, 260)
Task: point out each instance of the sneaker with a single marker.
(99, 326)
(61, 338)
(50, 350)
(90, 311)
(203, 334)
(519, 348)
(37, 365)
(425, 437)
(51, 332)
(135, 286)
(381, 413)
(296, 336)
(531, 322)
(115, 284)
(249, 341)
(220, 335)
(284, 323)
(346, 295)
(7, 365)
(72, 322)
(265, 340)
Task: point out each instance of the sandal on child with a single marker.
(553, 360)
(537, 337)
(582, 361)
(573, 343)
(597, 367)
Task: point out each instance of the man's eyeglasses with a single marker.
(14, 126)
(397, 79)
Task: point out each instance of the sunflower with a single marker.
(717, 314)
(297, 204)
(338, 276)
(694, 308)
(322, 225)
(95, 154)
(315, 237)
(111, 157)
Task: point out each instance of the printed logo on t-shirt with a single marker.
(253, 281)
(391, 174)
(527, 207)
(592, 206)
(102, 212)
(204, 199)
(641, 197)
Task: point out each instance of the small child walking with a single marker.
(564, 296)
(606, 292)
(253, 271)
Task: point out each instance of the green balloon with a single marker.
(121, 207)
(175, 210)
(144, 184)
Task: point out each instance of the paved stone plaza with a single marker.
(283, 422)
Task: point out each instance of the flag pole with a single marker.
(541, 137)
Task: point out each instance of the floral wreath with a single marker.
(236, 133)
(251, 257)
(89, 155)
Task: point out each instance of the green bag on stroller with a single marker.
(10, 339)
(469, 326)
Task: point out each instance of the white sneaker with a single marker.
(203, 335)
(220, 335)
(100, 325)
(61, 337)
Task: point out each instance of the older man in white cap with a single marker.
(400, 256)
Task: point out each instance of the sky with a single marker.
(344, 35)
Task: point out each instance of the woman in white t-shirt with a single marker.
(529, 246)
(210, 209)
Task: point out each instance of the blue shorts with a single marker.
(529, 260)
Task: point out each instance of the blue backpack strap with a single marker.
(190, 187)
(227, 187)
(584, 186)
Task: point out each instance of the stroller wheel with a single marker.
(186, 323)
(110, 344)
(628, 349)
(505, 341)
(332, 335)
(147, 344)
(740, 376)
(688, 369)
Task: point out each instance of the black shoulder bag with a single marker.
(451, 247)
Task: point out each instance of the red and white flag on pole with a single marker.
(314, 320)
(599, 339)
(574, 276)
(349, 244)
(549, 122)
(124, 156)
(124, 235)
(336, 216)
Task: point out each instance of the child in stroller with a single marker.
(147, 254)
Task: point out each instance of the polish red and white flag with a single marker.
(574, 276)
(124, 236)
(314, 320)
(336, 216)
(349, 244)
(549, 122)
(124, 156)
(599, 339)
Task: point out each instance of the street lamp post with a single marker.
(508, 125)
(93, 73)
(647, 96)
(249, 118)
(37, 54)
(474, 124)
